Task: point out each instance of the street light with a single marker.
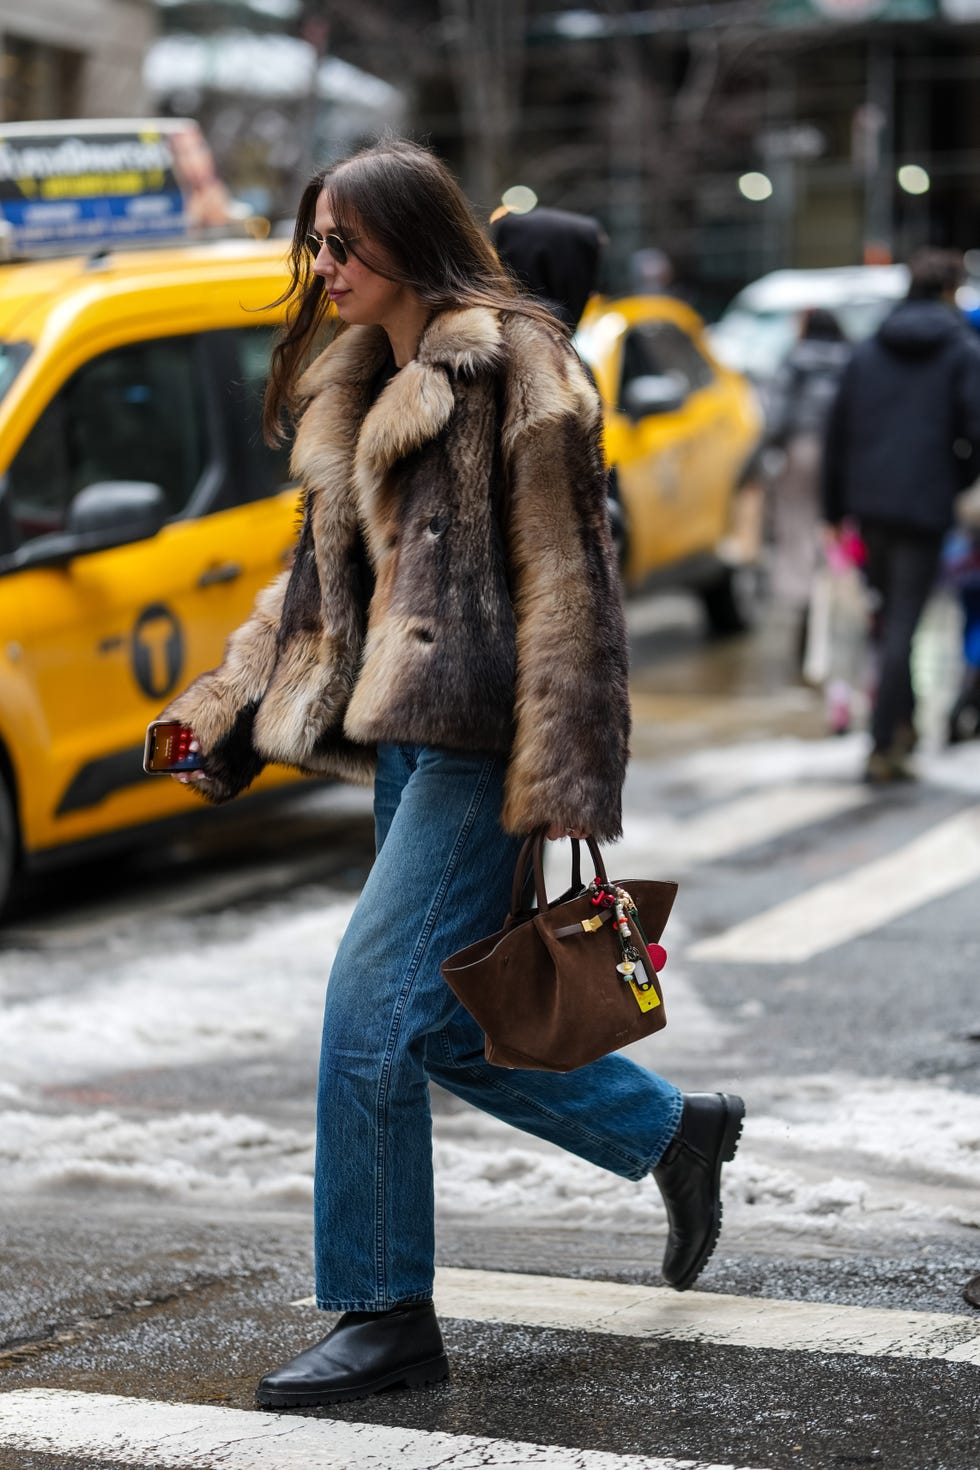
(755, 186)
(518, 199)
(913, 179)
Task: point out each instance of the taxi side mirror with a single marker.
(653, 393)
(115, 512)
(104, 515)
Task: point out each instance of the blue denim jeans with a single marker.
(441, 879)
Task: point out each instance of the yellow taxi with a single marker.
(680, 432)
(140, 512)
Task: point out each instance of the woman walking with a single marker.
(451, 630)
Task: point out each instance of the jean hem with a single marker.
(673, 1125)
(355, 1305)
(675, 1122)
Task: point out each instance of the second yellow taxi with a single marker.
(681, 430)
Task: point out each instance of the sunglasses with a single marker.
(340, 250)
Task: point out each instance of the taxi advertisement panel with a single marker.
(57, 187)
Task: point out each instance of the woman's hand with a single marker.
(556, 832)
(190, 778)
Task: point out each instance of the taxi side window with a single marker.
(136, 413)
(661, 349)
(240, 357)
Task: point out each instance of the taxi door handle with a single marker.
(223, 571)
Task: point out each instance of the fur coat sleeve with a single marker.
(572, 709)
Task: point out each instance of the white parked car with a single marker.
(755, 332)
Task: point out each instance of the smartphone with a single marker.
(168, 749)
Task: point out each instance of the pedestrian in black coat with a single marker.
(902, 440)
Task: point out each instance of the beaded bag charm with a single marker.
(631, 967)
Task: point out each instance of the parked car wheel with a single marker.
(8, 843)
(733, 603)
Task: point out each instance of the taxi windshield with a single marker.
(13, 355)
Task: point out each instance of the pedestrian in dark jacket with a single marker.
(555, 256)
(451, 630)
(903, 439)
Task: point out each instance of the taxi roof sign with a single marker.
(82, 185)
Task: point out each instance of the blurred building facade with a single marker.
(731, 136)
(73, 58)
(651, 114)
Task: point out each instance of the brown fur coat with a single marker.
(454, 582)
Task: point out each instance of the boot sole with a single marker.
(734, 1118)
(420, 1375)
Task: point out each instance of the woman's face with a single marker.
(360, 295)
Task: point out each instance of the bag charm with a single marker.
(605, 895)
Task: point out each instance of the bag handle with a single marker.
(532, 855)
(520, 873)
(524, 862)
(537, 853)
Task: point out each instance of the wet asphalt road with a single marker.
(189, 1305)
(154, 1304)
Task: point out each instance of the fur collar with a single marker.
(346, 445)
(462, 341)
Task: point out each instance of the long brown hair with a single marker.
(399, 196)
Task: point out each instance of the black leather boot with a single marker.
(365, 1352)
(689, 1178)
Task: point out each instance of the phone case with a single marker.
(167, 749)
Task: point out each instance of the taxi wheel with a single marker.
(733, 603)
(8, 843)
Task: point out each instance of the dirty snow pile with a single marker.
(831, 1158)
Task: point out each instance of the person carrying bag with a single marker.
(451, 631)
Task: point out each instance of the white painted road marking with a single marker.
(188, 1436)
(731, 826)
(708, 1317)
(939, 862)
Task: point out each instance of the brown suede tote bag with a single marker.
(566, 982)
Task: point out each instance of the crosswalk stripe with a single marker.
(187, 1436)
(732, 1321)
(937, 863)
(746, 821)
